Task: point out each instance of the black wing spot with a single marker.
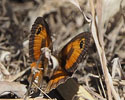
(81, 44)
(39, 30)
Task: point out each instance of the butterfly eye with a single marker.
(39, 30)
(81, 44)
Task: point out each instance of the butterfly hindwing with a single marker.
(58, 77)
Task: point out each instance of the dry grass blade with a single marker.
(101, 55)
(3, 70)
(117, 70)
(76, 3)
(100, 48)
(86, 15)
(11, 78)
(83, 94)
(5, 75)
(42, 91)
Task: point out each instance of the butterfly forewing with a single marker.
(39, 38)
(74, 52)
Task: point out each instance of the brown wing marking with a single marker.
(58, 77)
(74, 51)
(39, 38)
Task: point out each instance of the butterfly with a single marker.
(68, 58)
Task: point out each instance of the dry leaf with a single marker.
(14, 87)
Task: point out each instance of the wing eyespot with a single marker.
(39, 30)
(81, 44)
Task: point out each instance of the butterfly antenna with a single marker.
(42, 91)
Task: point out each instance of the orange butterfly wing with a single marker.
(58, 77)
(70, 56)
(39, 38)
(74, 52)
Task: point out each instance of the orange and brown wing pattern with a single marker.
(74, 52)
(39, 38)
(58, 77)
(71, 55)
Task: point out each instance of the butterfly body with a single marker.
(68, 59)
